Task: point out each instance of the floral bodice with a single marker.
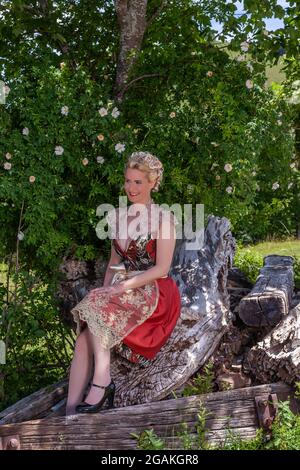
(140, 254)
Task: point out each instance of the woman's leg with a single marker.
(80, 372)
(101, 371)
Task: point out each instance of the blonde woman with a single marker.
(136, 310)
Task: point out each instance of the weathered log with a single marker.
(271, 296)
(233, 410)
(78, 277)
(201, 276)
(36, 405)
(277, 356)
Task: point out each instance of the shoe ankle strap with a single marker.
(100, 386)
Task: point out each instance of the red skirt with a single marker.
(149, 337)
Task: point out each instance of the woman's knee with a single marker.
(83, 341)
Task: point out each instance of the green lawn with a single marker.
(287, 248)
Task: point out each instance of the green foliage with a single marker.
(38, 345)
(197, 440)
(297, 272)
(285, 430)
(297, 391)
(249, 262)
(197, 115)
(148, 440)
(202, 383)
(285, 434)
(234, 442)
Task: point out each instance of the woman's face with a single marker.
(137, 186)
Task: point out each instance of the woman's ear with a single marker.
(153, 183)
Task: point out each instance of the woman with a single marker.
(136, 310)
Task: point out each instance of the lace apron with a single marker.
(111, 317)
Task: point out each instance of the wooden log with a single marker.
(277, 356)
(36, 405)
(271, 296)
(78, 277)
(201, 276)
(233, 410)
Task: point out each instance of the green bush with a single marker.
(38, 345)
(197, 126)
(249, 262)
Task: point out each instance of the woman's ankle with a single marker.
(70, 410)
(103, 380)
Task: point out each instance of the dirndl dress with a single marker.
(138, 322)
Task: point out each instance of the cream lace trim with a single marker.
(112, 317)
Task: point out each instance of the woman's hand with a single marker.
(118, 288)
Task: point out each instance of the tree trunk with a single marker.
(277, 356)
(271, 296)
(132, 22)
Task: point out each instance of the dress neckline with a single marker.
(131, 240)
(122, 249)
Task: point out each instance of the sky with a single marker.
(271, 23)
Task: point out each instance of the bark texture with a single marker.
(271, 297)
(132, 22)
(277, 356)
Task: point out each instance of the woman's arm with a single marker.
(164, 255)
(114, 259)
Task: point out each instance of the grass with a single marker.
(285, 248)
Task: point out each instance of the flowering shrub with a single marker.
(64, 143)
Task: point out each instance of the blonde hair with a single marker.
(148, 163)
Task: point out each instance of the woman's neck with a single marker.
(146, 203)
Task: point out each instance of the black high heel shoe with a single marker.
(109, 395)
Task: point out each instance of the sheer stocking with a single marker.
(80, 371)
(101, 371)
